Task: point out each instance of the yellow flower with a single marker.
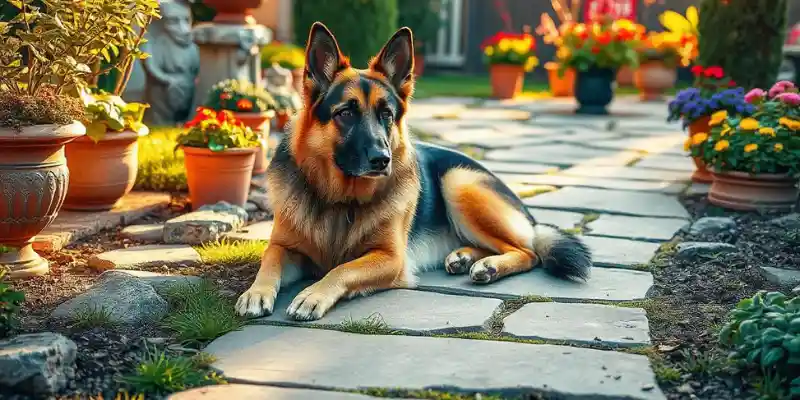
(750, 148)
(790, 123)
(687, 144)
(504, 45)
(531, 64)
(726, 130)
(563, 53)
(699, 138)
(522, 47)
(749, 124)
(718, 117)
(765, 130)
(489, 50)
(778, 147)
(722, 145)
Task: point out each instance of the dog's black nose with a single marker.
(379, 159)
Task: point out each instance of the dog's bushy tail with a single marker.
(561, 254)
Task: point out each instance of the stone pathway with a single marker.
(613, 180)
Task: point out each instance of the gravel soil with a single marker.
(694, 297)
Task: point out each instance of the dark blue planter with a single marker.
(594, 90)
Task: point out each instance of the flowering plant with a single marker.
(712, 91)
(286, 55)
(768, 141)
(217, 131)
(107, 112)
(604, 44)
(240, 96)
(511, 48)
(684, 27)
(666, 47)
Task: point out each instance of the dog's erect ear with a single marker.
(323, 58)
(396, 60)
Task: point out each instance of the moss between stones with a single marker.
(430, 394)
(229, 252)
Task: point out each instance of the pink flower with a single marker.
(780, 87)
(754, 95)
(789, 98)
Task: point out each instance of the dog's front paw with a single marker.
(256, 301)
(313, 302)
(458, 262)
(483, 271)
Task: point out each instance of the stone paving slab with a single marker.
(238, 391)
(145, 233)
(622, 253)
(636, 228)
(562, 155)
(151, 255)
(330, 359)
(409, 311)
(670, 144)
(667, 162)
(611, 202)
(624, 172)
(594, 182)
(516, 167)
(258, 231)
(604, 284)
(582, 323)
(71, 226)
(561, 219)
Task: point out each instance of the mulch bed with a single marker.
(695, 297)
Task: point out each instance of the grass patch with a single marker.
(199, 313)
(426, 394)
(93, 317)
(161, 373)
(161, 167)
(229, 252)
(371, 325)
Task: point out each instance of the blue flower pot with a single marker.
(594, 90)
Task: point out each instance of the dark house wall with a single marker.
(483, 20)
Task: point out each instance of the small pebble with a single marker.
(648, 387)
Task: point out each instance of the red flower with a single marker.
(225, 96)
(732, 83)
(714, 72)
(203, 114)
(604, 39)
(225, 116)
(697, 70)
(244, 104)
(596, 50)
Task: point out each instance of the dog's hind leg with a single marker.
(461, 260)
(500, 233)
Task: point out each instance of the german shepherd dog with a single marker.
(361, 208)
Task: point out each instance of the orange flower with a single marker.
(244, 104)
(202, 114)
(225, 96)
(225, 116)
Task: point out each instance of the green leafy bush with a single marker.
(361, 27)
(105, 112)
(10, 301)
(764, 331)
(744, 37)
(422, 16)
(239, 96)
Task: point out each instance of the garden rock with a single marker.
(144, 233)
(154, 255)
(37, 363)
(780, 276)
(207, 224)
(261, 200)
(791, 221)
(712, 225)
(691, 250)
(126, 299)
(160, 282)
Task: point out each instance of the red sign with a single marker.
(616, 9)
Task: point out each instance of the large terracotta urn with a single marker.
(653, 79)
(33, 183)
(234, 11)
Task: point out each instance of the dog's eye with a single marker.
(344, 116)
(386, 115)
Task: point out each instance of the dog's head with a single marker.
(352, 118)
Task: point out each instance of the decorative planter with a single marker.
(234, 11)
(259, 123)
(297, 79)
(215, 176)
(746, 192)
(33, 183)
(103, 172)
(652, 79)
(560, 86)
(419, 64)
(625, 76)
(594, 90)
(506, 80)
(701, 174)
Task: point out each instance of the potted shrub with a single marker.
(660, 55)
(287, 56)
(37, 119)
(422, 16)
(251, 105)
(219, 153)
(509, 56)
(104, 163)
(712, 91)
(596, 51)
(755, 159)
(561, 84)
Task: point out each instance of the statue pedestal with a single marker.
(227, 51)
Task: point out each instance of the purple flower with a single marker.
(754, 95)
(789, 98)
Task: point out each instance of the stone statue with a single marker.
(278, 82)
(173, 66)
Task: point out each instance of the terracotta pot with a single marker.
(594, 90)
(218, 176)
(234, 11)
(33, 183)
(419, 64)
(625, 76)
(701, 174)
(506, 80)
(297, 79)
(746, 192)
(259, 123)
(102, 172)
(560, 86)
(652, 79)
